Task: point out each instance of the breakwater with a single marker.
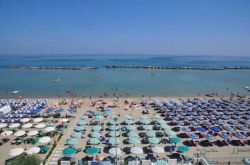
(52, 67)
(176, 67)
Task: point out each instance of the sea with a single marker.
(121, 82)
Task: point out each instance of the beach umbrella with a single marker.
(96, 128)
(183, 148)
(81, 122)
(27, 125)
(114, 127)
(129, 121)
(37, 110)
(143, 117)
(157, 116)
(76, 135)
(14, 125)
(170, 133)
(158, 150)
(19, 133)
(7, 133)
(193, 136)
(59, 111)
(209, 136)
(49, 129)
(239, 135)
(99, 117)
(242, 128)
(154, 140)
(136, 150)
(160, 121)
(49, 111)
(3, 125)
(201, 129)
(33, 150)
(69, 151)
(228, 128)
(40, 125)
(132, 134)
(84, 117)
(129, 117)
(165, 126)
(134, 141)
(38, 120)
(92, 150)
(130, 127)
(95, 135)
(186, 129)
(71, 110)
(150, 134)
(106, 110)
(225, 135)
(114, 141)
(94, 141)
(64, 120)
(145, 121)
(161, 162)
(15, 152)
(215, 129)
(44, 140)
(25, 120)
(72, 141)
(114, 133)
(113, 122)
(147, 127)
(32, 133)
(115, 151)
(79, 128)
(175, 140)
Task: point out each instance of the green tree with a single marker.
(27, 160)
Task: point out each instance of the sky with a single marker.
(168, 27)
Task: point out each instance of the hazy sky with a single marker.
(211, 27)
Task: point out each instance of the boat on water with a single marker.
(56, 80)
(15, 92)
(247, 88)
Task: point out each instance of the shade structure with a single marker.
(79, 128)
(114, 133)
(183, 148)
(27, 125)
(175, 140)
(33, 150)
(170, 133)
(16, 151)
(76, 135)
(114, 127)
(145, 121)
(40, 125)
(147, 127)
(114, 141)
(14, 125)
(19, 133)
(132, 134)
(25, 120)
(96, 128)
(45, 140)
(161, 162)
(32, 133)
(92, 150)
(130, 127)
(134, 141)
(94, 141)
(154, 140)
(115, 151)
(81, 122)
(7, 133)
(38, 120)
(49, 129)
(69, 151)
(150, 134)
(158, 150)
(72, 141)
(95, 134)
(3, 125)
(136, 150)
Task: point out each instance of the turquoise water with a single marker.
(38, 83)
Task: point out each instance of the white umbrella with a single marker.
(136, 150)
(41, 125)
(38, 120)
(27, 125)
(64, 120)
(114, 151)
(158, 150)
(25, 120)
(32, 133)
(49, 129)
(45, 140)
(7, 133)
(3, 125)
(33, 150)
(16, 151)
(14, 125)
(19, 133)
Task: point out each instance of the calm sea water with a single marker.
(38, 83)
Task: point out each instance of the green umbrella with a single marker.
(132, 134)
(114, 133)
(161, 162)
(150, 134)
(170, 133)
(97, 128)
(94, 141)
(95, 134)
(72, 141)
(69, 151)
(165, 126)
(129, 121)
(114, 141)
(113, 122)
(81, 122)
(183, 148)
(145, 121)
(92, 150)
(147, 127)
(129, 117)
(114, 127)
(76, 135)
(79, 128)
(175, 140)
(44, 148)
(154, 140)
(130, 127)
(99, 117)
(160, 121)
(134, 141)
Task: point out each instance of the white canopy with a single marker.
(25, 120)
(32, 133)
(33, 150)
(38, 120)
(16, 151)
(5, 109)
(3, 125)
(14, 125)
(49, 129)
(19, 133)
(27, 125)
(40, 125)
(45, 140)
(7, 133)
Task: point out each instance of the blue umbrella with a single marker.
(71, 110)
(220, 122)
(242, 128)
(239, 135)
(49, 111)
(186, 129)
(37, 110)
(194, 136)
(215, 129)
(59, 111)
(209, 136)
(106, 110)
(228, 128)
(225, 135)
(233, 122)
(201, 129)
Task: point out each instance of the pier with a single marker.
(52, 67)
